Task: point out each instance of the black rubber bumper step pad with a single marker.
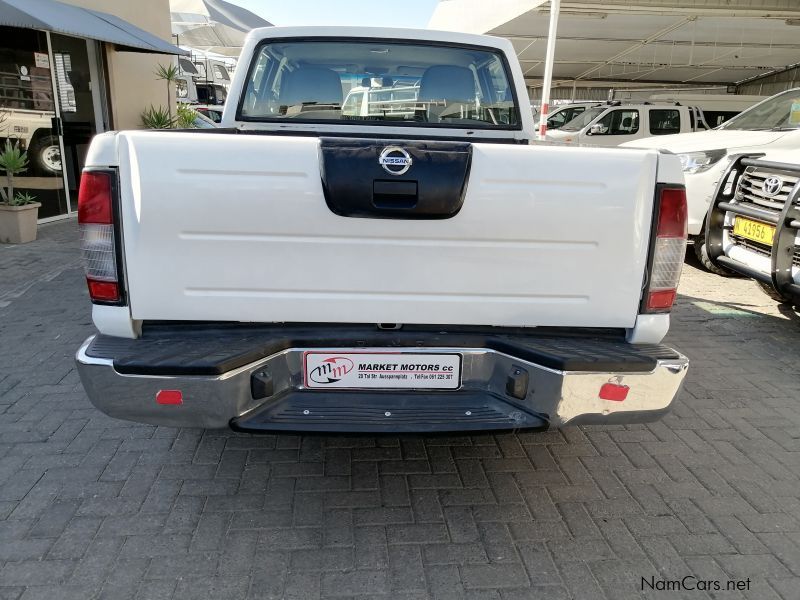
(214, 351)
(360, 412)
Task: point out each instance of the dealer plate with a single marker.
(381, 370)
(754, 230)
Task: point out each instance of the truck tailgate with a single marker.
(225, 227)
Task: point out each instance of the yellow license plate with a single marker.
(754, 230)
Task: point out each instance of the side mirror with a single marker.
(596, 129)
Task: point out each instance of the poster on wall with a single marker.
(42, 60)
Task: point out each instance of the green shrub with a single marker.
(186, 116)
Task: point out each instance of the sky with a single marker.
(408, 13)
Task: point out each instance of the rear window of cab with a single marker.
(396, 83)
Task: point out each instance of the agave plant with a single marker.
(157, 118)
(12, 161)
(23, 198)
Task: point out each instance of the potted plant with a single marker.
(18, 211)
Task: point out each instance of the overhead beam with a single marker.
(785, 9)
(529, 81)
(700, 65)
(660, 66)
(658, 42)
(644, 42)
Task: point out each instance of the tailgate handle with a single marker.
(398, 195)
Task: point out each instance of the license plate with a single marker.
(381, 370)
(754, 230)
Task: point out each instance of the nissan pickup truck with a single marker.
(754, 222)
(416, 269)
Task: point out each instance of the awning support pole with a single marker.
(555, 6)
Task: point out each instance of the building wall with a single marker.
(131, 75)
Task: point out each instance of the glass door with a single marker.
(28, 118)
(80, 94)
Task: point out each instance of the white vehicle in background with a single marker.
(611, 124)
(564, 113)
(616, 122)
(379, 97)
(32, 130)
(203, 78)
(210, 111)
(715, 109)
(754, 222)
(772, 124)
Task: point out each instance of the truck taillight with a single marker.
(669, 250)
(96, 224)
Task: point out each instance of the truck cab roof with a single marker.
(384, 33)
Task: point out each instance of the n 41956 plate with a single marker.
(756, 231)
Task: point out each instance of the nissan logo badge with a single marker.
(395, 160)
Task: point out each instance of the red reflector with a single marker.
(614, 391)
(672, 216)
(169, 397)
(94, 198)
(661, 299)
(107, 291)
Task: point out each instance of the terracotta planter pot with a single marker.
(18, 223)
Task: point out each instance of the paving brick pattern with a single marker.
(91, 507)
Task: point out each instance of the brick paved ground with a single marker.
(91, 507)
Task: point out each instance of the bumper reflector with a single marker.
(106, 291)
(614, 391)
(169, 397)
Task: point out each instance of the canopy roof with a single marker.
(697, 42)
(50, 15)
(213, 25)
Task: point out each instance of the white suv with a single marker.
(770, 125)
(754, 223)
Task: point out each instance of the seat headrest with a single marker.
(447, 82)
(311, 84)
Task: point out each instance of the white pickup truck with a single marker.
(426, 268)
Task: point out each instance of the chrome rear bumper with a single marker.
(490, 397)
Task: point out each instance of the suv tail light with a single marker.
(96, 225)
(668, 250)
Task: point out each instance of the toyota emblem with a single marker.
(772, 186)
(395, 160)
